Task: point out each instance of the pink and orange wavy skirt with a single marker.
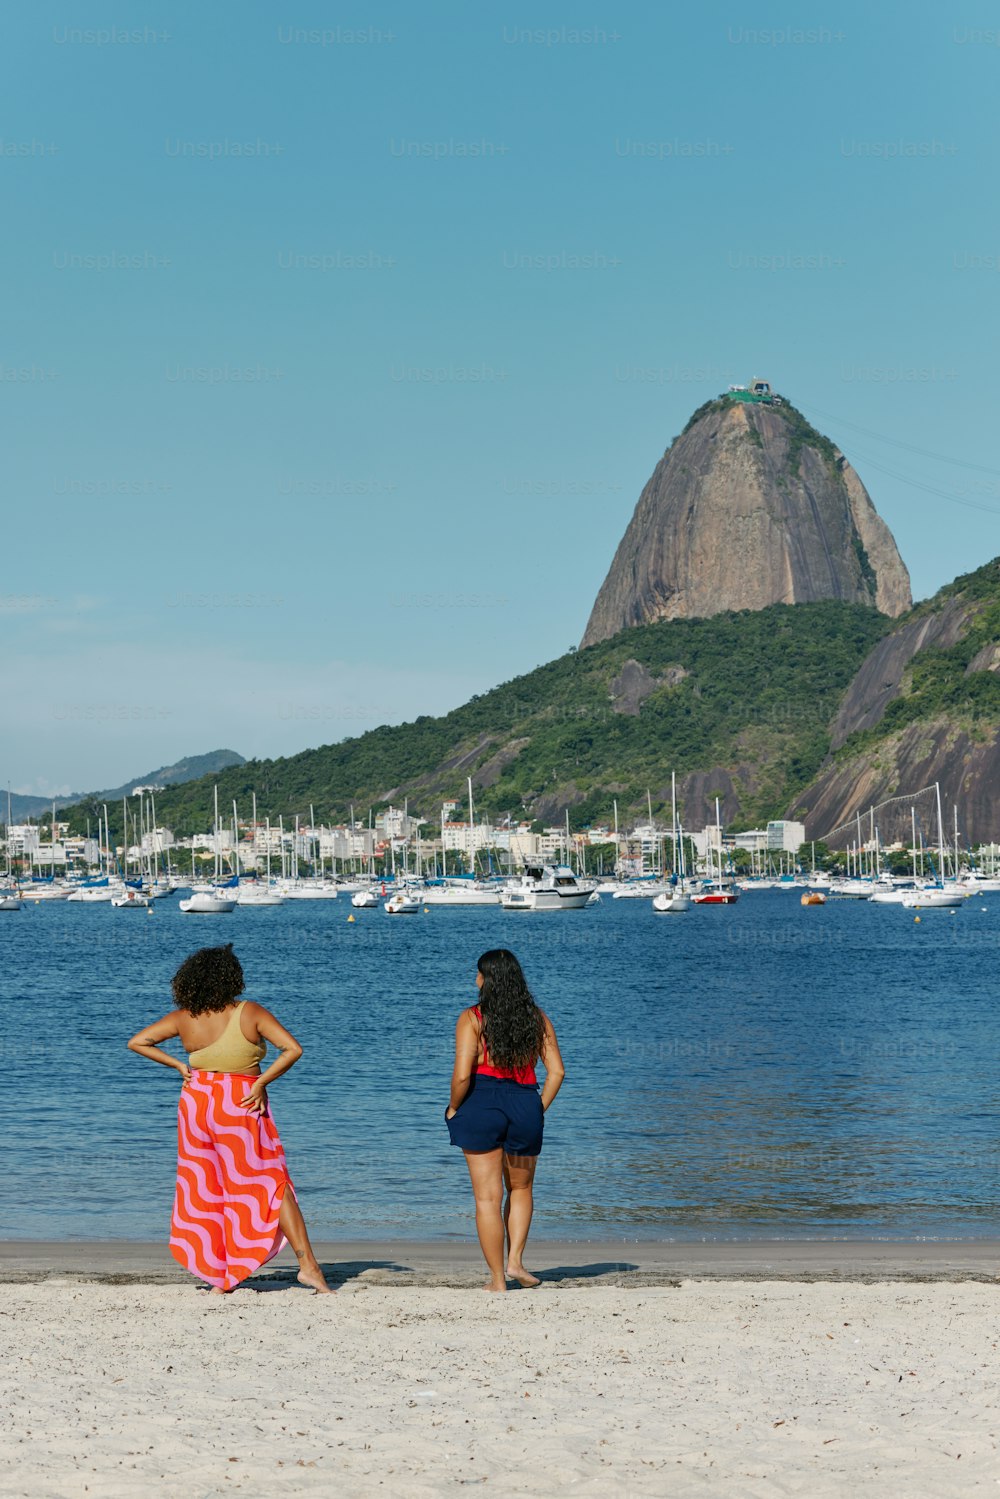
(231, 1179)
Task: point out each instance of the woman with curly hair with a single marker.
(235, 1204)
(496, 1115)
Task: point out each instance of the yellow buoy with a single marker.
(916, 918)
(350, 918)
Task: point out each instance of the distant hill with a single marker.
(167, 775)
(740, 705)
(750, 506)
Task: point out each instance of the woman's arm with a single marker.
(466, 1052)
(552, 1062)
(144, 1043)
(289, 1052)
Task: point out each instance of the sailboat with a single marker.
(216, 900)
(938, 896)
(717, 892)
(676, 899)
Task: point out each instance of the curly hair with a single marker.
(513, 1025)
(210, 979)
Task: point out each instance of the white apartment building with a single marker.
(87, 849)
(459, 837)
(346, 843)
(22, 838)
(157, 841)
(394, 823)
(786, 837)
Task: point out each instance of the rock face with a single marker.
(880, 679)
(967, 769)
(749, 507)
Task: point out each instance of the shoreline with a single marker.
(559, 1262)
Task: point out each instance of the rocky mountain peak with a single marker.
(750, 506)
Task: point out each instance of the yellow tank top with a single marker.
(232, 1052)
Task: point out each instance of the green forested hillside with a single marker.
(752, 693)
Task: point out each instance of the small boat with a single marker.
(672, 901)
(889, 897)
(10, 900)
(308, 890)
(462, 893)
(936, 898)
(43, 890)
(259, 895)
(716, 894)
(852, 889)
(638, 890)
(364, 900)
(132, 900)
(813, 898)
(94, 895)
(208, 903)
(402, 904)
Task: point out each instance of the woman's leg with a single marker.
(293, 1226)
(519, 1174)
(486, 1174)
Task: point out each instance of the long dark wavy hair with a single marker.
(513, 1025)
(210, 979)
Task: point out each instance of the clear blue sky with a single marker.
(579, 236)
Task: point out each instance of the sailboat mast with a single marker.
(937, 790)
(471, 858)
(673, 818)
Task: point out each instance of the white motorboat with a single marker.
(259, 895)
(851, 889)
(208, 903)
(981, 884)
(132, 900)
(461, 893)
(402, 904)
(10, 901)
(42, 890)
(365, 900)
(307, 890)
(937, 897)
(890, 897)
(546, 887)
(638, 890)
(95, 895)
(672, 901)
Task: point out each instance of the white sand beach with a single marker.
(421, 1387)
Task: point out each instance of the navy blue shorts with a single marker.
(498, 1113)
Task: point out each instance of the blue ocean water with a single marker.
(766, 1070)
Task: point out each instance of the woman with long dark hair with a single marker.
(495, 1114)
(235, 1205)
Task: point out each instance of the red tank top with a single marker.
(485, 1068)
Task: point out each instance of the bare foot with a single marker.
(494, 1289)
(314, 1279)
(523, 1277)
